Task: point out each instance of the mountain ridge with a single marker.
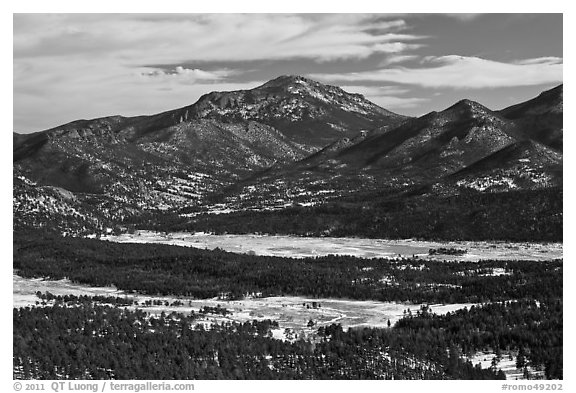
(177, 157)
(227, 151)
(420, 150)
(541, 117)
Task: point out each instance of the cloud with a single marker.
(374, 90)
(460, 72)
(70, 66)
(207, 37)
(396, 59)
(540, 60)
(70, 103)
(395, 103)
(185, 75)
(51, 92)
(394, 47)
(386, 96)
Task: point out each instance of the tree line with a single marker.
(88, 340)
(527, 215)
(171, 270)
(91, 341)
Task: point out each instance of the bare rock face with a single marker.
(306, 111)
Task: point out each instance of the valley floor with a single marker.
(302, 247)
(292, 312)
(493, 273)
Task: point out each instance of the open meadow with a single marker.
(302, 247)
(292, 312)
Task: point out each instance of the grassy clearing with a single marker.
(302, 247)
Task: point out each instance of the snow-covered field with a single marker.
(301, 247)
(293, 312)
(24, 290)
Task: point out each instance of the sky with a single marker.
(81, 66)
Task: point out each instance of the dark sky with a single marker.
(73, 66)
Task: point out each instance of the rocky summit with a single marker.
(291, 140)
(304, 110)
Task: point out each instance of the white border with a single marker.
(381, 6)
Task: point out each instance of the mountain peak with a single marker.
(283, 80)
(468, 104)
(309, 111)
(467, 108)
(296, 85)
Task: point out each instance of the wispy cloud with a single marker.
(375, 90)
(460, 72)
(185, 75)
(540, 60)
(210, 37)
(51, 92)
(397, 59)
(68, 66)
(389, 97)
